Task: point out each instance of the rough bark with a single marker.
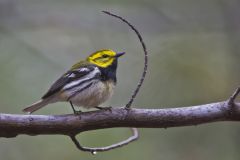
(12, 125)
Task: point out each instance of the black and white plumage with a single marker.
(86, 84)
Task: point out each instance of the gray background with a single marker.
(193, 55)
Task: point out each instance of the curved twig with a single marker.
(107, 148)
(128, 105)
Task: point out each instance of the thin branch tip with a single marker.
(233, 97)
(105, 11)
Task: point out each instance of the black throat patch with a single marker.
(109, 73)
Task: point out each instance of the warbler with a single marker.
(88, 83)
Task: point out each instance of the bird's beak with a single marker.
(119, 54)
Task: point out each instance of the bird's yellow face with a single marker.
(103, 58)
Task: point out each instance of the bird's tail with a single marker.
(36, 106)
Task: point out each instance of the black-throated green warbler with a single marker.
(87, 84)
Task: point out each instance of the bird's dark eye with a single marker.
(105, 56)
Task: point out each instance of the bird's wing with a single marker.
(70, 76)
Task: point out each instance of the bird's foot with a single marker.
(77, 112)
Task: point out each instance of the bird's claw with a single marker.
(105, 108)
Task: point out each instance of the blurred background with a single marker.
(193, 59)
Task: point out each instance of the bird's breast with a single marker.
(97, 93)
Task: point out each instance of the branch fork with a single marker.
(232, 105)
(231, 100)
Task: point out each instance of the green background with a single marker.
(193, 59)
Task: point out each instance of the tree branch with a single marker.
(12, 125)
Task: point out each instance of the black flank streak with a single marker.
(87, 86)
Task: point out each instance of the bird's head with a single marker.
(104, 58)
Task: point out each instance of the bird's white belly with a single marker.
(94, 95)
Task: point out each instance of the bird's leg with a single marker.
(104, 108)
(74, 111)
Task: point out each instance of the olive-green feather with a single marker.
(80, 65)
